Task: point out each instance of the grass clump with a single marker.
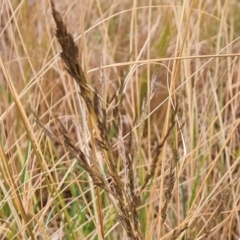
(143, 148)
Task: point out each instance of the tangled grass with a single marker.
(133, 146)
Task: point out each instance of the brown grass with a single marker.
(136, 136)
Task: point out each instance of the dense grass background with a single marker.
(192, 46)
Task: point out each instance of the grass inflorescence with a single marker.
(123, 194)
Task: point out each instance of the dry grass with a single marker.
(119, 120)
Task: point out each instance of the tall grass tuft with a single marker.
(124, 124)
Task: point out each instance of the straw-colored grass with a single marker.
(119, 120)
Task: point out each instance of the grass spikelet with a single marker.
(70, 57)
